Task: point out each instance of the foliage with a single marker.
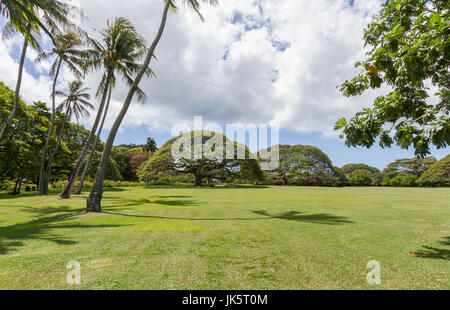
(360, 177)
(415, 166)
(304, 165)
(410, 50)
(349, 168)
(218, 158)
(405, 180)
(437, 175)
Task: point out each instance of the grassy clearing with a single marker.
(224, 238)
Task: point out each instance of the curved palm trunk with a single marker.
(67, 191)
(93, 203)
(52, 157)
(86, 167)
(17, 92)
(44, 166)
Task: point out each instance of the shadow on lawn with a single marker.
(431, 252)
(323, 218)
(43, 228)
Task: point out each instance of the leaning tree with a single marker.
(120, 52)
(93, 203)
(28, 18)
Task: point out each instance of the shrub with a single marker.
(406, 180)
(360, 177)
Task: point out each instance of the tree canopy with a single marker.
(305, 165)
(208, 155)
(437, 175)
(410, 55)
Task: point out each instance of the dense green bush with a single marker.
(406, 180)
(360, 177)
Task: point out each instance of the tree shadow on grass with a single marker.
(160, 201)
(326, 219)
(43, 228)
(437, 253)
(320, 218)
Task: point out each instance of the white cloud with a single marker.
(279, 61)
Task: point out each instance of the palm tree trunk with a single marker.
(93, 203)
(44, 165)
(67, 191)
(86, 167)
(18, 85)
(52, 157)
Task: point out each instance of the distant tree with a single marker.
(150, 146)
(19, 151)
(410, 51)
(405, 180)
(219, 158)
(121, 155)
(349, 168)
(437, 175)
(360, 177)
(305, 165)
(137, 158)
(415, 166)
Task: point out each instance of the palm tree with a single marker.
(150, 146)
(93, 203)
(76, 105)
(122, 48)
(28, 18)
(67, 51)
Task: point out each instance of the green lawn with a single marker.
(225, 238)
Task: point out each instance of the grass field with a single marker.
(225, 238)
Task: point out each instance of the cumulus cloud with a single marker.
(249, 62)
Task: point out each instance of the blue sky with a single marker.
(250, 62)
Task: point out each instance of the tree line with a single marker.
(122, 52)
(409, 50)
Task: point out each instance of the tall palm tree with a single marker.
(93, 203)
(65, 51)
(76, 105)
(119, 54)
(94, 146)
(28, 17)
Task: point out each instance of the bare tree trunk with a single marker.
(67, 191)
(52, 157)
(42, 190)
(86, 167)
(93, 203)
(17, 92)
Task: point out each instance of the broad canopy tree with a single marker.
(410, 54)
(305, 165)
(205, 155)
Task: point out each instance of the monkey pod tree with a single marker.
(204, 154)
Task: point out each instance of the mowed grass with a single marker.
(229, 238)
